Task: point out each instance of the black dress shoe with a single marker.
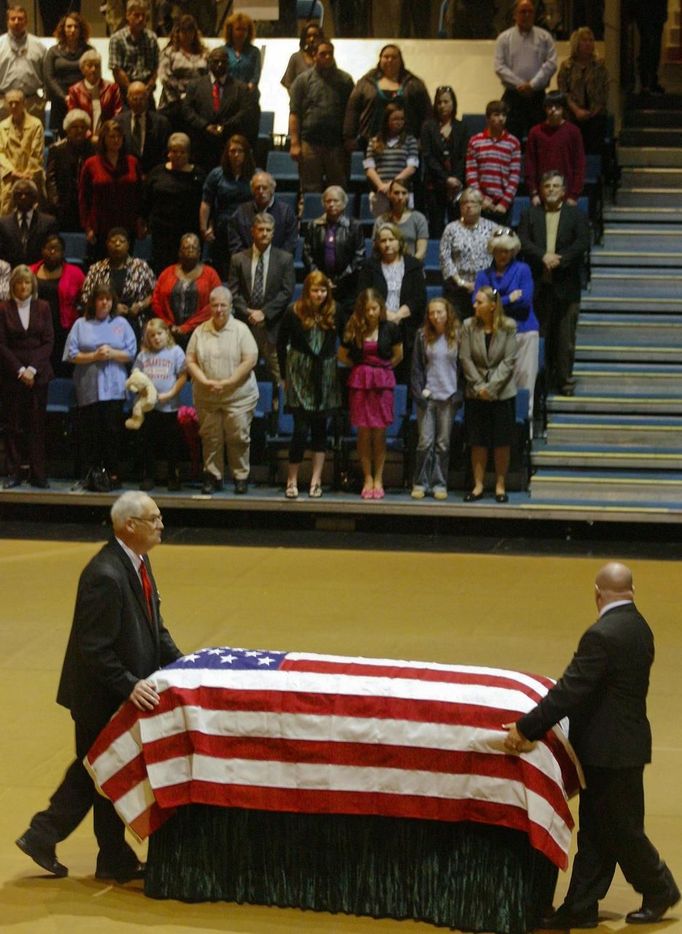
(211, 485)
(9, 482)
(472, 497)
(241, 487)
(649, 914)
(129, 874)
(44, 856)
(501, 498)
(564, 920)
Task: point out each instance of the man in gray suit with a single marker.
(262, 284)
(603, 692)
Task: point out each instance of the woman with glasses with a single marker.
(464, 251)
(513, 280)
(443, 151)
(487, 353)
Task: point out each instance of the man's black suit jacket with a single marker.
(11, 248)
(113, 643)
(278, 287)
(603, 692)
(572, 242)
(239, 112)
(156, 135)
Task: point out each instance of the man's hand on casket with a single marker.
(516, 741)
(144, 696)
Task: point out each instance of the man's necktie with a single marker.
(257, 291)
(216, 96)
(137, 134)
(23, 229)
(146, 590)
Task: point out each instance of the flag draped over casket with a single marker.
(329, 734)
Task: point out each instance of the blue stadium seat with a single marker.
(283, 169)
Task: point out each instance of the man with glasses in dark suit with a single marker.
(118, 639)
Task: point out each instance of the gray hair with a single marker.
(263, 218)
(23, 272)
(193, 237)
(272, 181)
(179, 139)
(504, 239)
(74, 115)
(221, 291)
(92, 55)
(471, 193)
(129, 505)
(336, 191)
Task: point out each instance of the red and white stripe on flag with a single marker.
(329, 734)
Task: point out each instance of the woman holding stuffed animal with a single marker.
(101, 344)
(163, 363)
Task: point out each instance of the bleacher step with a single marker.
(652, 487)
(653, 117)
(585, 401)
(665, 136)
(629, 378)
(599, 455)
(616, 350)
(643, 177)
(595, 327)
(651, 156)
(636, 284)
(616, 431)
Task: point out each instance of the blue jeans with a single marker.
(434, 421)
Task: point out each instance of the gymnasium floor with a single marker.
(522, 612)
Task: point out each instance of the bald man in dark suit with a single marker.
(117, 640)
(603, 692)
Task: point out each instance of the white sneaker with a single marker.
(418, 492)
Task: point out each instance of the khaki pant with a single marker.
(225, 427)
(321, 166)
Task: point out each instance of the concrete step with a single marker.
(640, 177)
(646, 198)
(653, 117)
(638, 103)
(635, 284)
(595, 328)
(607, 486)
(629, 378)
(587, 401)
(618, 214)
(614, 303)
(638, 244)
(616, 432)
(598, 455)
(654, 156)
(650, 136)
(631, 352)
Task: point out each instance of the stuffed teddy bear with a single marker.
(138, 382)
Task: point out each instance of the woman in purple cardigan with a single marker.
(512, 278)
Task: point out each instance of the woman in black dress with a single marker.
(170, 201)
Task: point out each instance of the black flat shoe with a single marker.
(501, 498)
(121, 875)
(44, 856)
(241, 487)
(562, 920)
(9, 482)
(472, 497)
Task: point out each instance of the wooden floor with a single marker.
(525, 613)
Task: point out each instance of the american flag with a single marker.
(293, 731)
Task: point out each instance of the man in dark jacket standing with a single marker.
(603, 692)
(117, 640)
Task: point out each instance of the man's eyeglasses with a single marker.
(153, 520)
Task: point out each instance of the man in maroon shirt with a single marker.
(557, 145)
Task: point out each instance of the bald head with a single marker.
(613, 582)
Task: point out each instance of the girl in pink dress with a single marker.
(372, 347)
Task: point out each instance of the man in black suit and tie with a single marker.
(603, 692)
(25, 230)
(214, 107)
(262, 283)
(145, 131)
(118, 639)
(554, 239)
